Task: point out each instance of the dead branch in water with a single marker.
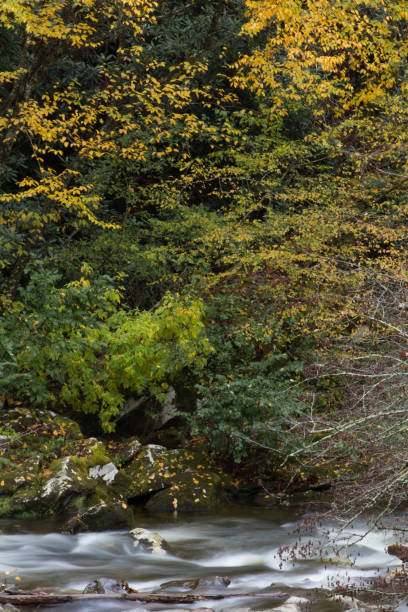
(29, 599)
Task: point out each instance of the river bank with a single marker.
(242, 543)
(68, 504)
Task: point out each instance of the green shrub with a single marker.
(68, 347)
(251, 409)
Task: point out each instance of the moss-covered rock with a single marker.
(49, 469)
(27, 420)
(72, 483)
(113, 515)
(127, 452)
(14, 479)
(151, 470)
(190, 492)
(175, 479)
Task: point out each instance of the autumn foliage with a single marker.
(224, 182)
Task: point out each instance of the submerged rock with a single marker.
(103, 585)
(339, 561)
(197, 583)
(149, 542)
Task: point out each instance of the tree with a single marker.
(83, 96)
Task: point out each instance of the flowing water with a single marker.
(242, 544)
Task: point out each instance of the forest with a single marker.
(209, 199)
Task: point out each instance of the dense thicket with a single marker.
(204, 194)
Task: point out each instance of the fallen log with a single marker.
(29, 599)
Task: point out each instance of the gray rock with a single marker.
(131, 405)
(149, 542)
(168, 409)
(107, 472)
(197, 583)
(60, 484)
(129, 452)
(103, 585)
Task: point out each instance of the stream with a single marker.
(242, 544)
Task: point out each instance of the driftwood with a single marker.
(29, 599)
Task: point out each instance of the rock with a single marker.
(75, 483)
(151, 470)
(53, 470)
(66, 485)
(128, 452)
(36, 423)
(169, 409)
(8, 608)
(398, 550)
(339, 561)
(351, 603)
(168, 480)
(197, 583)
(293, 604)
(131, 405)
(149, 542)
(103, 585)
(214, 581)
(14, 480)
(107, 472)
(190, 491)
(113, 515)
(180, 585)
(61, 483)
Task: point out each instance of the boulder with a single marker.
(16, 478)
(168, 480)
(129, 450)
(63, 482)
(38, 423)
(190, 492)
(113, 515)
(151, 470)
(69, 484)
(149, 542)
